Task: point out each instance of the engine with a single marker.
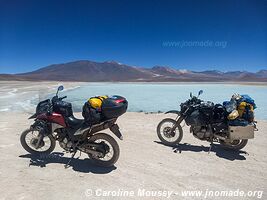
(64, 140)
(201, 132)
(207, 132)
(66, 144)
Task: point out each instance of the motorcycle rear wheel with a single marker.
(235, 145)
(114, 150)
(164, 132)
(30, 147)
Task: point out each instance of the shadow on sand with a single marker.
(217, 149)
(79, 165)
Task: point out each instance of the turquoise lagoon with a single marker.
(154, 97)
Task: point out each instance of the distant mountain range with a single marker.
(89, 71)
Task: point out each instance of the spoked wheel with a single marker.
(29, 141)
(165, 134)
(234, 145)
(110, 150)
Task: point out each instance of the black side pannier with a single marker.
(44, 106)
(219, 114)
(195, 119)
(114, 106)
(207, 108)
(64, 108)
(202, 115)
(90, 114)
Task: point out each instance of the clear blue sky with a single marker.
(35, 33)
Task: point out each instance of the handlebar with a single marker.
(61, 98)
(195, 106)
(56, 99)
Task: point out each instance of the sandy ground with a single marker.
(144, 163)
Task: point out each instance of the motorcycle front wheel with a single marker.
(165, 134)
(235, 145)
(111, 150)
(29, 139)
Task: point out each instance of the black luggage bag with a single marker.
(114, 107)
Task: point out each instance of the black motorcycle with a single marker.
(54, 120)
(207, 122)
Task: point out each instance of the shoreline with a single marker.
(143, 82)
(22, 96)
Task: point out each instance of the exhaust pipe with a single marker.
(220, 137)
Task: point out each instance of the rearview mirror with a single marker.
(60, 88)
(200, 92)
(191, 94)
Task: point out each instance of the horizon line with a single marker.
(137, 66)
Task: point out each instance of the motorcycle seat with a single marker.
(74, 122)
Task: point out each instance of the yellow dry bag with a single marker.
(96, 102)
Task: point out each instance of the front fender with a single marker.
(173, 112)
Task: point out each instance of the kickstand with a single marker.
(67, 165)
(211, 144)
(80, 154)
